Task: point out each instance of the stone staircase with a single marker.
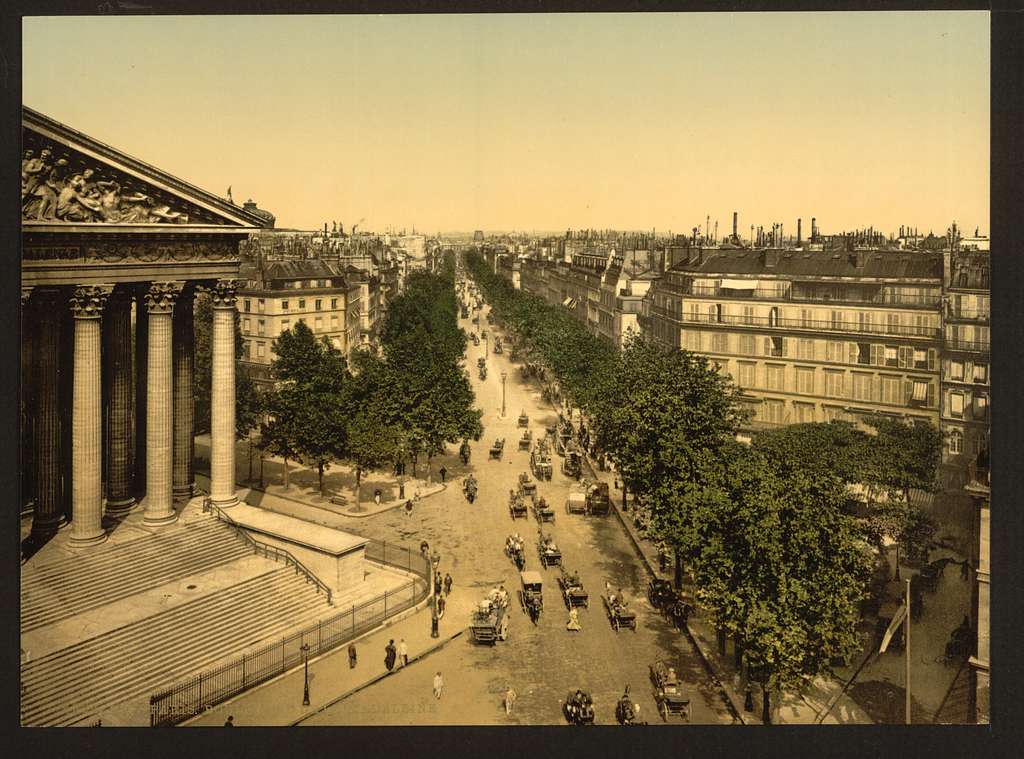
(76, 683)
(61, 589)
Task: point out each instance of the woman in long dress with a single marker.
(574, 621)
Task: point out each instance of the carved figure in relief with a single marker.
(73, 205)
(32, 174)
(44, 202)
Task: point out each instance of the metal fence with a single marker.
(203, 691)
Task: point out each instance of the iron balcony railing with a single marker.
(968, 314)
(786, 322)
(788, 294)
(201, 692)
(977, 346)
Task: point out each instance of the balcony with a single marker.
(880, 299)
(812, 325)
(973, 346)
(978, 476)
(967, 314)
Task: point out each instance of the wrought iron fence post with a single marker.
(243, 670)
(385, 603)
(282, 654)
(318, 635)
(353, 619)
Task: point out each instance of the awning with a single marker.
(740, 284)
(566, 302)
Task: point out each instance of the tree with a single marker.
(310, 401)
(781, 567)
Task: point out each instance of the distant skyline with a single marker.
(543, 122)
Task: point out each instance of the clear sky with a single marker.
(543, 122)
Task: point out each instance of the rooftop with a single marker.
(875, 264)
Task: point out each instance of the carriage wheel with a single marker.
(663, 708)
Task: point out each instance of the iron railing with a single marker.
(269, 551)
(201, 692)
(771, 293)
(817, 325)
(978, 346)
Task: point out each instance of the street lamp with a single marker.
(504, 376)
(305, 687)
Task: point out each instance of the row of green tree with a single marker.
(779, 557)
(382, 408)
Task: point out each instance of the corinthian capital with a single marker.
(223, 293)
(161, 296)
(88, 301)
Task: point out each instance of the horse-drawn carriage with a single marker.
(543, 511)
(531, 596)
(474, 338)
(497, 346)
(497, 448)
(668, 692)
(464, 451)
(576, 503)
(598, 501)
(572, 590)
(469, 488)
(526, 440)
(489, 622)
(627, 711)
(619, 613)
(550, 556)
(515, 550)
(516, 505)
(524, 420)
(579, 708)
(482, 372)
(527, 488)
(572, 464)
(540, 461)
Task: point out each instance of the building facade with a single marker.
(114, 251)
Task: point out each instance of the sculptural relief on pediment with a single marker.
(60, 184)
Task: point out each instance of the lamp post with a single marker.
(504, 376)
(305, 687)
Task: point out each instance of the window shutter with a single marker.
(853, 352)
(931, 395)
(785, 346)
(931, 359)
(877, 354)
(767, 346)
(908, 391)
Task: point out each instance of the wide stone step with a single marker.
(74, 683)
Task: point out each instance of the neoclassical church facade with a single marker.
(113, 253)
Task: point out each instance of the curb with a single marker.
(347, 512)
(436, 647)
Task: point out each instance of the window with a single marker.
(748, 374)
(692, 337)
(877, 354)
(835, 351)
(806, 318)
(804, 412)
(245, 325)
(890, 389)
(920, 358)
(246, 350)
(832, 413)
(248, 305)
(837, 320)
(981, 372)
(297, 284)
(284, 305)
(302, 304)
(805, 380)
(318, 324)
(720, 342)
(773, 316)
(718, 313)
(261, 305)
(893, 323)
(956, 441)
(865, 320)
(747, 345)
(748, 315)
(260, 350)
(776, 347)
(863, 353)
(906, 356)
(334, 304)
(261, 327)
(318, 304)
(861, 386)
(956, 370)
(956, 405)
(892, 355)
(774, 377)
(805, 348)
(980, 407)
(694, 312)
(834, 384)
(773, 411)
(334, 322)
(285, 324)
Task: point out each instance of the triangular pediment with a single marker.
(68, 178)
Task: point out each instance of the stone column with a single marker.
(141, 364)
(49, 511)
(222, 395)
(117, 355)
(184, 405)
(159, 404)
(87, 416)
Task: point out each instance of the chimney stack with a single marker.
(799, 232)
(735, 217)
(814, 229)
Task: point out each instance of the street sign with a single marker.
(897, 620)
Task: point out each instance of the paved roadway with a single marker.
(541, 662)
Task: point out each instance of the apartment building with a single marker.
(809, 335)
(279, 294)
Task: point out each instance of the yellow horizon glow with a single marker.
(543, 122)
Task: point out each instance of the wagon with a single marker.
(598, 501)
(578, 708)
(572, 590)
(540, 463)
(543, 511)
(483, 372)
(572, 463)
(531, 595)
(489, 623)
(525, 440)
(474, 338)
(527, 488)
(619, 614)
(524, 420)
(514, 550)
(668, 692)
(497, 347)
(481, 362)
(661, 594)
(550, 556)
(576, 503)
(497, 448)
(516, 506)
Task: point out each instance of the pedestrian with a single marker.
(408, 508)
(447, 584)
(230, 722)
(444, 473)
(403, 652)
(510, 699)
(438, 685)
(433, 623)
(377, 496)
(437, 584)
(389, 655)
(351, 655)
(440, 606)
